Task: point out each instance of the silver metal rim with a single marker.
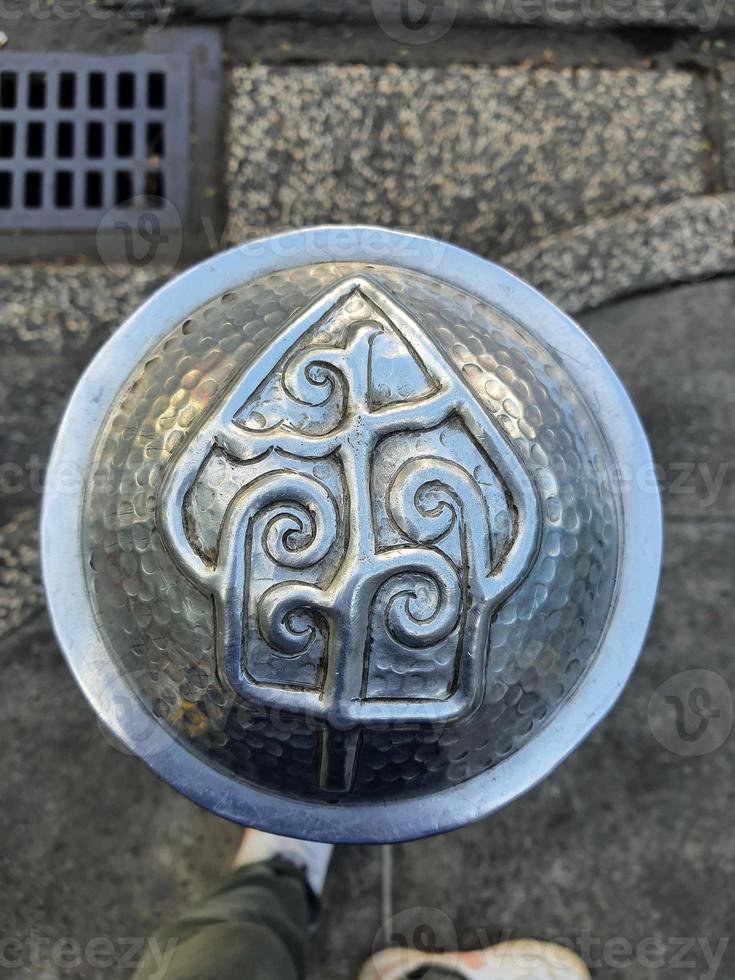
(100, 679)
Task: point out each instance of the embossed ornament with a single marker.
(338, 562)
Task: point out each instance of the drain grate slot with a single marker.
(82, 134)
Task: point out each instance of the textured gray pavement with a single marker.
(488, 159)
(626, 844)
(54, 318)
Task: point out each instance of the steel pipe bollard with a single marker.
(350, 535)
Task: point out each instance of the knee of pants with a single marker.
(221, 951)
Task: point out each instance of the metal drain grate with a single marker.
(81, 135)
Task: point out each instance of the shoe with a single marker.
(311, 857)
(517, 959)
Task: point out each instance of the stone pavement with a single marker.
(624, 851)
(433, 149)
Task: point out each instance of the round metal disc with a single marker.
(350, 535)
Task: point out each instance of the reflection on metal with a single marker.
(334, 556)
(353, 533)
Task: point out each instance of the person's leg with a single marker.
(254, 926)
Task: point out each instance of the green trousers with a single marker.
(253, 927)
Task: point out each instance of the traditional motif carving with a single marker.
(357, 518)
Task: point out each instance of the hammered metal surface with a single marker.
(160, 626)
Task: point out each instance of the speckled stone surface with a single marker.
(53, 319)
(21, 592)
(56, 308)
(491, 160)
(727, 122)
(686, 241)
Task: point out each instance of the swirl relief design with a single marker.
(357, 519)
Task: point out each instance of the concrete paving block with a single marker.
(727, 122)
(686, 241)
(491, 160)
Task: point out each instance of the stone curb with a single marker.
(685, 241)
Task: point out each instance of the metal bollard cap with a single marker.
(350, 535)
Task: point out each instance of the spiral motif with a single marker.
(418, 614)
(302, 527)
(301, 538)
(429, 495)
(422, 595)
(310, 380)
(289, 617)
(300, 531)
(313, 376)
